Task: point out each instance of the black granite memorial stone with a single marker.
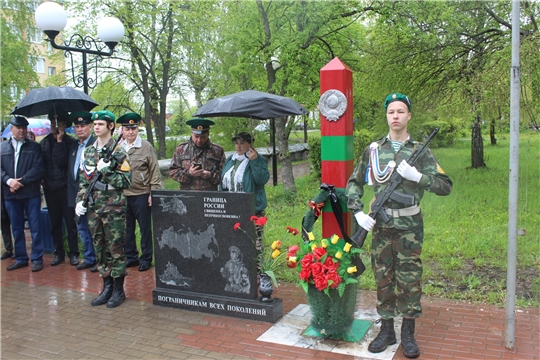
(201, 262)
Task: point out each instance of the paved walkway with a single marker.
(47, 315)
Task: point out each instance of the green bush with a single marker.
(448, 132)
(314, 156)
(362, 138)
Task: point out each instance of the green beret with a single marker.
(129, 120)
(103, 115)
(200, 126)
(81, 117)
(397, 97)
(60, 115)
(18, 121)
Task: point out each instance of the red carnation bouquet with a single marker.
(327, 264)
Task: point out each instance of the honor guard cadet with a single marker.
(396, 244)
(145, 178)
(106, 210)
(197, 163)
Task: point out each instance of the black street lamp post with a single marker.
(52, 19)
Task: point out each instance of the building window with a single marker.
(52, 70)
(34, 35)
(39, 64)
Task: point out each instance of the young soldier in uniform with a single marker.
(107, 215)
(197, 163)
(145, 177)
(396, 245)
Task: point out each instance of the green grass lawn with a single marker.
(466, 233)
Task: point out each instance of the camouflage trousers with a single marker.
(109, 233)
(397, 267)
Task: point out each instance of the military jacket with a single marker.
(433, 180)
(212, 158)
(117, 175)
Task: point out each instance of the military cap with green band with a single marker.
(129, 120)
(103, 115)
(81, 117)
(199, 125)
(397, 97)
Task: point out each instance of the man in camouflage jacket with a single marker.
(397, 244)
(107, 215)
(197, 163)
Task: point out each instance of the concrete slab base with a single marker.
(291, 331)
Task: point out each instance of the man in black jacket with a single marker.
(82, 121)
(55, 147)
(21, 170)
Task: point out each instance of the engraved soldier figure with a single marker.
(107, 214)
(197, 163)
(396, 245)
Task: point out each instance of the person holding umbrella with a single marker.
(107, 214)
(197, 163)
(246, 171)
(55, 147)
(22, 169)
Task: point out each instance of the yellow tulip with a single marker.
(324, 243)
(276, 244)
(276, 253)
(351, 269)
(292, 259)
(313, 247)
(335, 239)
(347, 247)
(338, 254)
(311, 237)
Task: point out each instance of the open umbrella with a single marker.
(40, 101)
(251, 104)
(39, 127)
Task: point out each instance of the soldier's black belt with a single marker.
(104, 187)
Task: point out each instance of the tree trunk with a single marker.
(492, 133)
(284, 157)
(477, 145)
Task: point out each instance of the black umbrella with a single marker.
(40, 101)
(257, 105)
(251, 104)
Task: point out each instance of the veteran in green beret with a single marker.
(145, 178)
(396, 244)
(197, 163)
(106, 215)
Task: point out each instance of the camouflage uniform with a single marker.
(107, 216)
(397, 245)
(212, 158)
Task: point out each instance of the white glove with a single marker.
(409, 172)
(80, 210)
(364, 220)
(102, 165)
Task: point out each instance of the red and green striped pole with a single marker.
(337, 149)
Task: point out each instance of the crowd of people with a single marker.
(122, 175)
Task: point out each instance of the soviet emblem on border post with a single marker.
(332, 104)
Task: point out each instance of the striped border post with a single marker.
(337, 150)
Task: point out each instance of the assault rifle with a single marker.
(88, 198)
(379, 205)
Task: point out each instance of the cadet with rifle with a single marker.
(396, 220)
(105, 173)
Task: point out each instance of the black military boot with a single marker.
(387, 336)
(106, 293)
(118, 295)
(410, 349)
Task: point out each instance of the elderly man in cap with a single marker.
(22, 169)
(397, 243)
(82, 121)
(55, 147)
(197, 163)
(107, 213)
(145, 177)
